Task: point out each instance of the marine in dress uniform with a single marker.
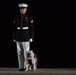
(23, 34)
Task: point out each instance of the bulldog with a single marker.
(32, 59)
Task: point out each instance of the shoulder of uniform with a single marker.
(29, 16)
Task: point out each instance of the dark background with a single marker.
(54, 28)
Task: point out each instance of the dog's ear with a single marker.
(31, 50)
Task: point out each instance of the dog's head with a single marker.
(31, 51)
(30, 54)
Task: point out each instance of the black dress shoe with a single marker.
(22, 69)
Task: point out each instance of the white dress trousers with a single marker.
(22, 48)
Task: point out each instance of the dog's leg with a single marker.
(34, 65)
(30, 68)
(27, 67)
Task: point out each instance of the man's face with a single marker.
(23, 10)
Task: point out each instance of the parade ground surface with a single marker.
(40, 71)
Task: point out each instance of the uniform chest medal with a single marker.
(26, 18)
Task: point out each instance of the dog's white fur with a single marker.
(34, 60)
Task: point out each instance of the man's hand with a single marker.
(31, 40)
(14, 40)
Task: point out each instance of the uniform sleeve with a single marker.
(14, 28)
(31, 27)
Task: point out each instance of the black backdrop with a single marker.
(54, 27)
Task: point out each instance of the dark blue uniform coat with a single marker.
(23, 35)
